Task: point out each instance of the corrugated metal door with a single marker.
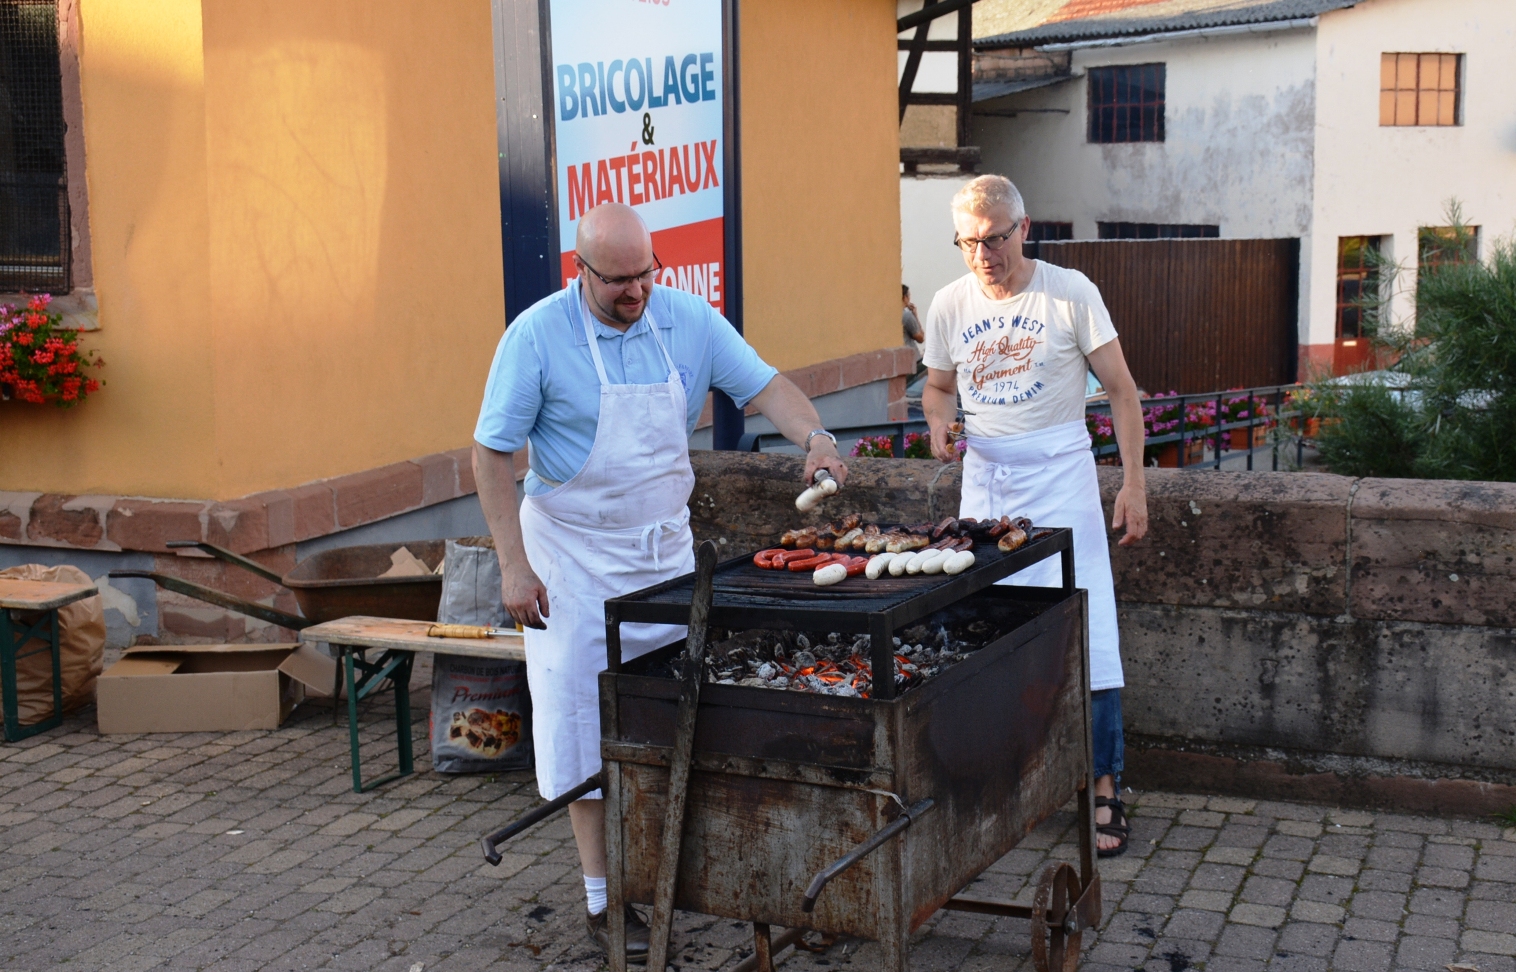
(1195, 315)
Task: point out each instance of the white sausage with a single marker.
(934, 564)
(825, 486)
(959, 562)
(829, 575)
(897, 564)
(877, 565)
(918, 559)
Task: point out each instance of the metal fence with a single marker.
(1282, 424)
(35, 242)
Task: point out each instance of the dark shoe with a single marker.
(599, 929)
(1118, 827)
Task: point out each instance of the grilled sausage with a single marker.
(949, 524)
(1012, 539)
(829, 574)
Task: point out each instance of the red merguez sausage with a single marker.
(790, 556)
(764, 558)
(856, 566)
(809, 563)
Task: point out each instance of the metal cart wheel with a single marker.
(1056, 936)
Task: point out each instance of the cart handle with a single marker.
(488, 841)
(236, 559)
(894, 828)
(212, 596)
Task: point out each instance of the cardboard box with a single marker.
(210, 688)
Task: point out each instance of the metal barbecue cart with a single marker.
(855, 816)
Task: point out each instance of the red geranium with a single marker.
(39, 359)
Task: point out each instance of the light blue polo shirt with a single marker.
(543, 386)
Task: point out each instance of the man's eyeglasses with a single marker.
(992, 243)
(645, 277)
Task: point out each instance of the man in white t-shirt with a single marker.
(1015, 339)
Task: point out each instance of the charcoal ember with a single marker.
(804, 659)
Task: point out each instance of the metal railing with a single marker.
(1284, 424)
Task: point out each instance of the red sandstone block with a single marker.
(10, 526)
(898, 410)
(314, 510)
(375, 494)
(439, 477)
(278, 514)
(859, 369)
(240, 525)
(466, 484)
(1486, 504)
(76, 527)
(143, 524)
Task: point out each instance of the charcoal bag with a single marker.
(481, 709)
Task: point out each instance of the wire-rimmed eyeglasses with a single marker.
(645, 277)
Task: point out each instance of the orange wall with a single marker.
(295, 221)
(297, 254)
(820, 179)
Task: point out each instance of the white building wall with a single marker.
(938, 70)
(928, 259)
(1237, 149)
(1389, 181)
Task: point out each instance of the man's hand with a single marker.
(823, 455)
(939, 402)
(524, 595)
(1131, 511)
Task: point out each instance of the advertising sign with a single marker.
(637, 114)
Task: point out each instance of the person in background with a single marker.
(910, 323)
(1016, 339)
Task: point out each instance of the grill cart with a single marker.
(858, 816)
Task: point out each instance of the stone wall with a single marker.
(1307, 635)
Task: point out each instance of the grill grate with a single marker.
(34, 214)
(749, 597)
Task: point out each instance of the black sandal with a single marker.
(1118, 827)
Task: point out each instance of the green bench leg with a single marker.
(10, 644)
(393, 665)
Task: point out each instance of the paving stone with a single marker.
(127, 863)
(1416, 952)
(1327, 914)
(1265, 916)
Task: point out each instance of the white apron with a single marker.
(1048, 476)
(621, 524)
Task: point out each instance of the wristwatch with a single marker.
(816, 432)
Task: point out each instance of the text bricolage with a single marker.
(626, 85)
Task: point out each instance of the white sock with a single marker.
(594, 890)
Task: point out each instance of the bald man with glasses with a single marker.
(606, 379)
(1014, 340)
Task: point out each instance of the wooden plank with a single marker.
(35, 595)
(405, 635)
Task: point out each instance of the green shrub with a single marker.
(1456, 416)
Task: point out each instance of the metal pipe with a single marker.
(893, 829)
(751, 963)
(488, 841)
(235, 559)
(211, 596)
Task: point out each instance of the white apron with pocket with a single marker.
(1049, 477)
(621, 524)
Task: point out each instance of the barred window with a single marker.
(1157, 231)
(1420, 89)
(1357, 283)
(1044, 230)
(34, 209)
(1126, 103)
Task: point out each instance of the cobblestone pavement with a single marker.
(249, 850)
